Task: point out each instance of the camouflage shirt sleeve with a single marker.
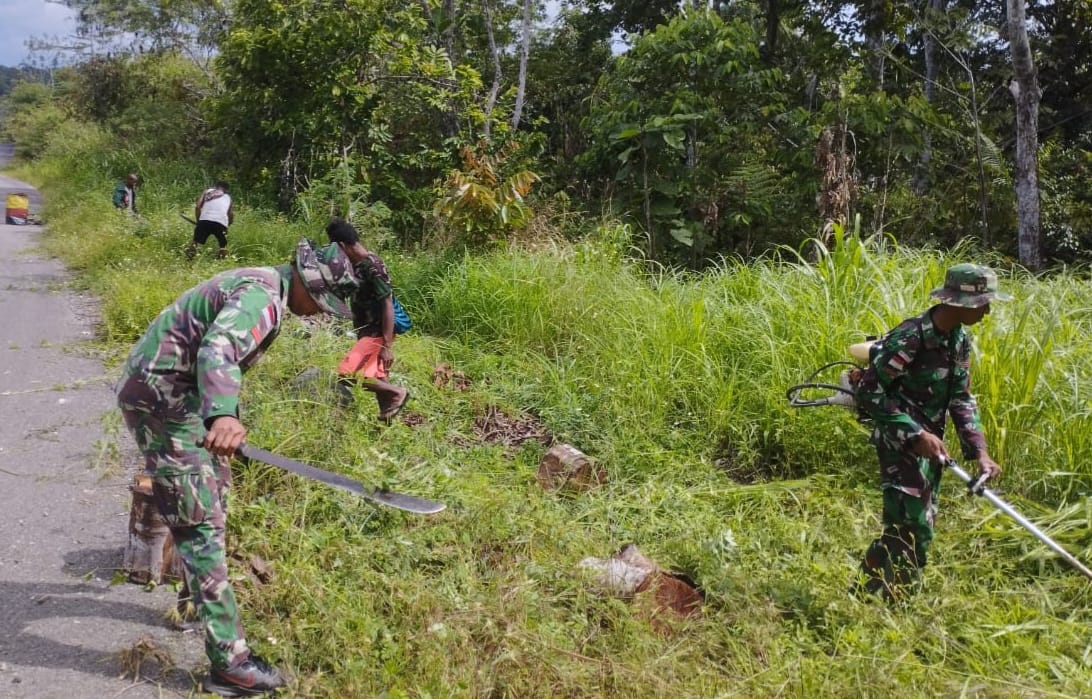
(962, 406)
(889, 364)
(249, 316)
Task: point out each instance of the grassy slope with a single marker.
(675, 385)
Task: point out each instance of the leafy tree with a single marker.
(566, 65)
(479, 202)
(30, 115)
(681, 140)
(134, 26)
(1063, 39)
(309, 85)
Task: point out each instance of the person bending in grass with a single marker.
(213, 212)
(918, 374)
(370, 359)
(179, 395)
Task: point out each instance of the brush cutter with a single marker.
(977, 486)
(816, 391)
(824, 387)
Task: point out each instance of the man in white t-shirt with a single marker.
(213, 213)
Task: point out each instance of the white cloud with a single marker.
(22, 19)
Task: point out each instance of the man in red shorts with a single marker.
(370, 359)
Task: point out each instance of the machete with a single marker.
(188, 219)
(399, 501)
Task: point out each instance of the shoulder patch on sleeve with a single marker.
(267, 320)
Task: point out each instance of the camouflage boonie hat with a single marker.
(969, 286)
(327, 275)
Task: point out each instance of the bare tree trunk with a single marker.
(875, 27)
(487, 15)
(646, 193)
(773, 20)
(1025, 90)
(450, 119)
(934, 9)
(524, 55)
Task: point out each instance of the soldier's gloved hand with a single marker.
(225, 435)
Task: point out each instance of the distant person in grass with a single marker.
(918, 374)
(370, 359)
(213, 213)
(125, 193)
(179, 395)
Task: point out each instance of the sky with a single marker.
(23, 19)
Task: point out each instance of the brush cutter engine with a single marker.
(834, 383)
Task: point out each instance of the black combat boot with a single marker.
(877, 575)
(251, 678)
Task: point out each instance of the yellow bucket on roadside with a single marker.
(17, 209)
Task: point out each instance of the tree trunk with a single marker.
(773, 20)
(934, 10)
(449, 122)
(524, 55)
(150, 556)
(491, 102)
(875, 29)
(1025, 91)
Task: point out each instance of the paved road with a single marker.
(63, 507)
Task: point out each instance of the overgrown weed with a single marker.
(676, 385)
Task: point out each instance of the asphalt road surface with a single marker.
(64, 499)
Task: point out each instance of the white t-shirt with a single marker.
(216, 209)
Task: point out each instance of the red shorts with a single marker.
(363, 360)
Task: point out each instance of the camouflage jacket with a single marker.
(915, 377)
(206, 339)
(367, 303)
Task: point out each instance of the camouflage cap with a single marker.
(327, 275)
(969, 286)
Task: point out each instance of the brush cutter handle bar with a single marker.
(977, 485)
(1019, 518)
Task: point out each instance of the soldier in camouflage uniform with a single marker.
(179, 395)
(918, 374)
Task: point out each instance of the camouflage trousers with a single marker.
(910, 501)
(190, 489)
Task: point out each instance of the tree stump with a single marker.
(566, 467)
(150, 556)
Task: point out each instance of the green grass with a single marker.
(676, 385)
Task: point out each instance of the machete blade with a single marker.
(399, 501)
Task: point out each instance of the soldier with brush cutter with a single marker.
(917, 375)
(179, 396)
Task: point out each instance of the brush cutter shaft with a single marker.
(1020, 519)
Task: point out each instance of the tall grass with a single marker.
(676, 384)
